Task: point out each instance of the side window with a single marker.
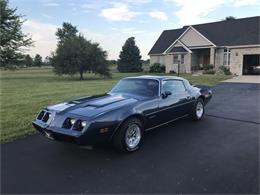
(175, 59)
(174, 86)
(182, 58)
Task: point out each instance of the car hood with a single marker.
(94, 105)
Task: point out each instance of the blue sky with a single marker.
(110, 23)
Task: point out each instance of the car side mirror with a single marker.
(166, 94)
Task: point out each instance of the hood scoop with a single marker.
(105, 101)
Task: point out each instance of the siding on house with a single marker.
(192, 39)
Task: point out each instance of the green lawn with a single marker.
(25, 92)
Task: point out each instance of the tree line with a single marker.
(75, 54)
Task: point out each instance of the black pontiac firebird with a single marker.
(134, 105)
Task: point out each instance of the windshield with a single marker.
(142, 87)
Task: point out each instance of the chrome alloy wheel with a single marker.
(199, 110)
(132, 136)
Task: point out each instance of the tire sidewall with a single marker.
(195, 107)
(124, 129)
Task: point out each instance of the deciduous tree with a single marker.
(75, 54)
(37, 60)
(28, 60)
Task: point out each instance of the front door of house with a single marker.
(206, 59)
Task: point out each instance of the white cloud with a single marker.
(130, 31)
(158, 15)
(51, 4)
(95, 5)
(43, 35)
(137, 2)
(47, 16)
(240, 3)
(119, 12)
(192, 12)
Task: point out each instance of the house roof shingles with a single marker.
(244, 31)
(165, 40)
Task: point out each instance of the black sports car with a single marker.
(134, 105)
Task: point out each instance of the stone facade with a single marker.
(219, 57)
(169, 65)
(216, 58)
(236, 58)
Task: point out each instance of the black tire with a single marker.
(119, 139)
(194, 116)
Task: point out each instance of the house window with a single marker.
(226, 57)
(175, 59)
(182, 58)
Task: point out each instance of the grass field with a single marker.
(25, 92)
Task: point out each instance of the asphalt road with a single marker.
(217, 155)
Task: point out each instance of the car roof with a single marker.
(155, 77)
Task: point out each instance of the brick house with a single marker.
(232, 43)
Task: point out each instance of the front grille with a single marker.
(40, 115)
(44, 116)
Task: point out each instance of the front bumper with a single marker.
(90, 137)
(54, 135)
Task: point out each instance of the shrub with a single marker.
(207, 66)
(211, 71)
(225, 70)
(157, 68)
(172, 72)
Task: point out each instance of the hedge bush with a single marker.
(211, 71)
(225, 70)
(157, 68)
(207, 66)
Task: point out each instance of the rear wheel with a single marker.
(198, 110)
(129, 136)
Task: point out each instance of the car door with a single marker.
(174, 105)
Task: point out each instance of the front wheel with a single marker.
(129, 136)
(198, 110)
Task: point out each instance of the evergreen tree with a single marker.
(12, 37)
(130, 58)
(229, 18)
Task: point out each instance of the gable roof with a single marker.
(244, 31)
(165, 40)
(178, 49)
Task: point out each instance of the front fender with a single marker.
(112, 120)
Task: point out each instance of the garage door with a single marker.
(251, 64)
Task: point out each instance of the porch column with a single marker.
(188, 63)
(212, 56)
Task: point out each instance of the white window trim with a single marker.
(173, 58)
(227, 57)
(183, 58)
